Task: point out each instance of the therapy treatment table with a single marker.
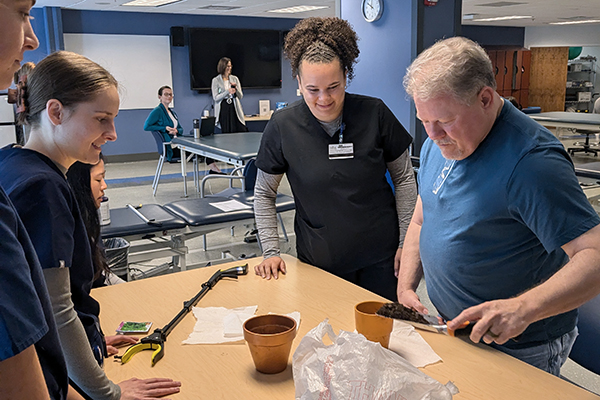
(161, 231)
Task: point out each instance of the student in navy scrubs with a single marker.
(335, 148)
(32, 365)
(71, 103)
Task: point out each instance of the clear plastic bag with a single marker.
(355, 368)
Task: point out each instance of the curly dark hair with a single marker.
(312, 33)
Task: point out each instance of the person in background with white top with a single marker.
(227, 93)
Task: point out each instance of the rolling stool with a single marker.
(586, 147)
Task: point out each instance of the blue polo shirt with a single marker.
(494, 223)
(25, 312)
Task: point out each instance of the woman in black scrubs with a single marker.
(335, 148)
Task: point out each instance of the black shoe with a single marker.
(212, 172)
(174, 160)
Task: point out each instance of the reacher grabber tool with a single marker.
(156, 341)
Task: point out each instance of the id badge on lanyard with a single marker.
(341, 150)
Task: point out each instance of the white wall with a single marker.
(140, 63)
(562, 35)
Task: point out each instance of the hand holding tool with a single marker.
(423, 321)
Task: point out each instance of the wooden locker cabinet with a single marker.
(508, 84)
(511, 69)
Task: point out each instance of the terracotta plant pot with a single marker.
(270, 340)
(374, 327)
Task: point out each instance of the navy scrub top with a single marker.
(26, 316)
(48, 208)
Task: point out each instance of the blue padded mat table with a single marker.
(588, 170)
(125, 223)
(232, 148)
(200, 212)
(573, 120)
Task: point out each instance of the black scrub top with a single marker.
(345, 210)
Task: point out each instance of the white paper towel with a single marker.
(219, 324)
(222, 325)
(407, 342)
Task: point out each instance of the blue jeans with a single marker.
(549, 356)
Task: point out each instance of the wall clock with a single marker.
(372, 9)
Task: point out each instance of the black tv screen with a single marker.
(255, 56)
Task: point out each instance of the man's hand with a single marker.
(497, 321)
(410, 299)
(146, 389)
(270, 267)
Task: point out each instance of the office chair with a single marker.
(586, 350)
(245, 194)
(585, 146)
(161, 147)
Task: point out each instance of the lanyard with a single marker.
(342, 132)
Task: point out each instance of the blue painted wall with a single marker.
(386, 50)
(189, 105)
(389, 45)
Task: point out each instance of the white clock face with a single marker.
(372, 9)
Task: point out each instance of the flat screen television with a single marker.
(255, 56)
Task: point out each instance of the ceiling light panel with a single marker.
(149, 3)
(297, 9)
(501, 4)
(503, 18)
(588, 21)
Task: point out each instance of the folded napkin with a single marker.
(223, 325)
(219, 324)
(409, 344)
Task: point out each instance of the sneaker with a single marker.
(212, 172)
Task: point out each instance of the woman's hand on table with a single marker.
(112, 342)
(145, 389)
(270, 267)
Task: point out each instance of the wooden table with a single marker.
(227, 371)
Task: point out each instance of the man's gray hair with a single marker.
(457, 67)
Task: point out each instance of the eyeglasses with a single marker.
(168, 94)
